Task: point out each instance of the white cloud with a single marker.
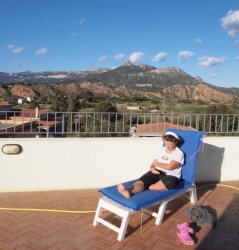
(231, 22)
(15, 49)
(210, 61)
(237, 41)
(136, 56)
(41, 51)
(103, 58)
(17, 64)
(237, 58)
(185, 54)
(161, 56)
(119, 56)
(10, 46)
(197, 41)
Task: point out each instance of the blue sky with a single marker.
(199, 36)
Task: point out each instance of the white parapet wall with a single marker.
(56, 164)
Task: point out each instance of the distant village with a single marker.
(24, 121)
(40, 122)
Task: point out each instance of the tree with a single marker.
(218, 109)
(217, 120)
(73, 103)
(106, 106)
(59, 103)
(33, 104)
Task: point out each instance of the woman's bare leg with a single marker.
(138, 186)
(158, 186)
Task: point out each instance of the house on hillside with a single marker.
(134, 108)
(23, 101)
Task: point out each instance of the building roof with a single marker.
(32, 112)
(157, 129)
(4, 104)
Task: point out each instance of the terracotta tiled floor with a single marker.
(51, 230)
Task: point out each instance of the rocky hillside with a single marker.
(126, 81)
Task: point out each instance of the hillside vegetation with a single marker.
(142, 85)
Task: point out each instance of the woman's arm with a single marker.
(152, 168)
(170, 166)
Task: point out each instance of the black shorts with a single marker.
(169, 181)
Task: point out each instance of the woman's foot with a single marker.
(123, 190)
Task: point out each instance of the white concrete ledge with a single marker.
(51, 164)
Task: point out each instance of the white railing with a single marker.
(99, 124)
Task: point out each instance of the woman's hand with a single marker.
(153, 170)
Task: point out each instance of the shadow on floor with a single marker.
(225, 234)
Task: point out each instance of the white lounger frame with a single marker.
(125, 213)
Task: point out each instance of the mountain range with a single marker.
(128, 80)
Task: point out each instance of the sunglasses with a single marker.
(170, 139)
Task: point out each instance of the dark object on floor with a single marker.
(202, 215)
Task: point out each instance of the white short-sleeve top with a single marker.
(176, 155)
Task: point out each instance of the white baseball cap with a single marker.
(172, 133)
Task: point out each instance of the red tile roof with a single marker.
(32, 112)
(159, 127)
(5, 104)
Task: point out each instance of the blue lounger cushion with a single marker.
(143, 199)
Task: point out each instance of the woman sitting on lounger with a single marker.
(165, 171)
